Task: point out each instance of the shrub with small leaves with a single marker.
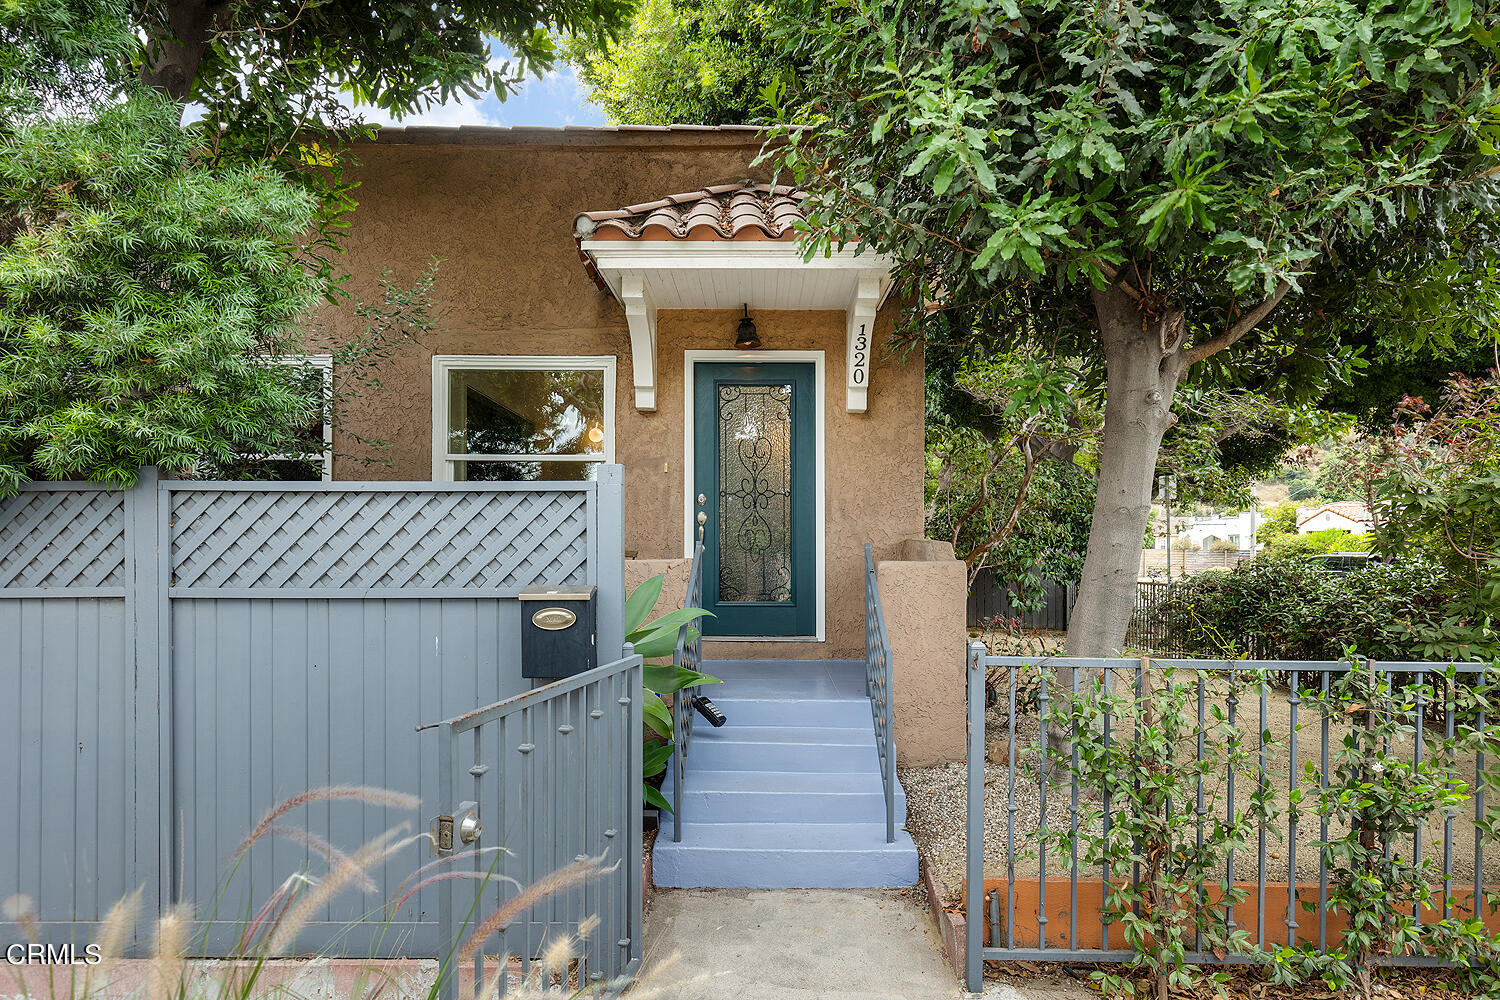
(142, 290)
(1378, 791)
(1160, 770)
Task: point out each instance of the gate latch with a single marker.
(464, 823)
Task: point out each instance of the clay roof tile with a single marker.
(722, 211)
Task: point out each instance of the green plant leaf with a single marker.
(657, 799)
(657, 715)
(667, 678)
(655, 760)
(640, 602)
(675, 619)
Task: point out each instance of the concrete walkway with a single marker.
(806, 944)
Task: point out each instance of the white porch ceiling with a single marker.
(647, 277)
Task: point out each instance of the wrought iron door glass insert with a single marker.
(755, 493)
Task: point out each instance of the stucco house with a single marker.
(636, 295)
(1239, 529)
(1346, 515)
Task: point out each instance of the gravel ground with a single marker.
(936, 806)
(1034, 642)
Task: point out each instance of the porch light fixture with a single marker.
(745, 338)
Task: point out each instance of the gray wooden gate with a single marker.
(180, 656)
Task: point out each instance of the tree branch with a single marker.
(1238, 329)
(1113, 274)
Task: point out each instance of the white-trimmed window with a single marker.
(314, 459)
(508, 419)
(317, 370)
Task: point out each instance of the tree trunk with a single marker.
(175, 51)
(1143, 360)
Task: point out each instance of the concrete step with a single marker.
(732, 732)
(788, 793)
(832, 713)
(781, 679)
(813, 750)
(782, 797)
(785, 856)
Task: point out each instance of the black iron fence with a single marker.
(689, 654)
(878, 687)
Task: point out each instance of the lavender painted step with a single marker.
(830, 713)
(785, 856)
(787, 797)
(788, 793)
(813, 752)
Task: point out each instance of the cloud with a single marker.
(453, 113)
(555, 98)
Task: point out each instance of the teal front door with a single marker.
(754, 487)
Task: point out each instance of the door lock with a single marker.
(463, 827)
(702, 499)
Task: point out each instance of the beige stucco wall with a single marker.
(673, 587)
(499, 217)
(923, 603)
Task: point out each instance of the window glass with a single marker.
(524, 472)
(521, 412)
(507, 415)
(313, 457)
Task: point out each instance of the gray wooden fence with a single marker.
(180, 656)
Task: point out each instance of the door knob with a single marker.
(702, 518)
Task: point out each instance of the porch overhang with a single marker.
(725, 247)
(647, 277)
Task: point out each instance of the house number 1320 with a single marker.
(859, 357)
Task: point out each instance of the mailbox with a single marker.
(559, 631)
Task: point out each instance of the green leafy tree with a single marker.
(1005, 490)
(1224, 436)
(270, 69)
(1170, 193)
(141, 290)
(1350, 471)
(698, 62)
(1437, 477)
(1280, 521)
(275, 82)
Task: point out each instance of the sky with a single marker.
(555, 99)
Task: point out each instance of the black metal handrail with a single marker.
(689, 653)
(878, 687)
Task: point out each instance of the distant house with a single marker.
(1348, 515)
(1238, 529)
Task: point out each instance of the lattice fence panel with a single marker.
(378, 540)
(63, 538)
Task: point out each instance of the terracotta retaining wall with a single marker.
(1246, 913)
(952, 922)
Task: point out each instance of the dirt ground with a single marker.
(1056, 981)
(936, 806)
